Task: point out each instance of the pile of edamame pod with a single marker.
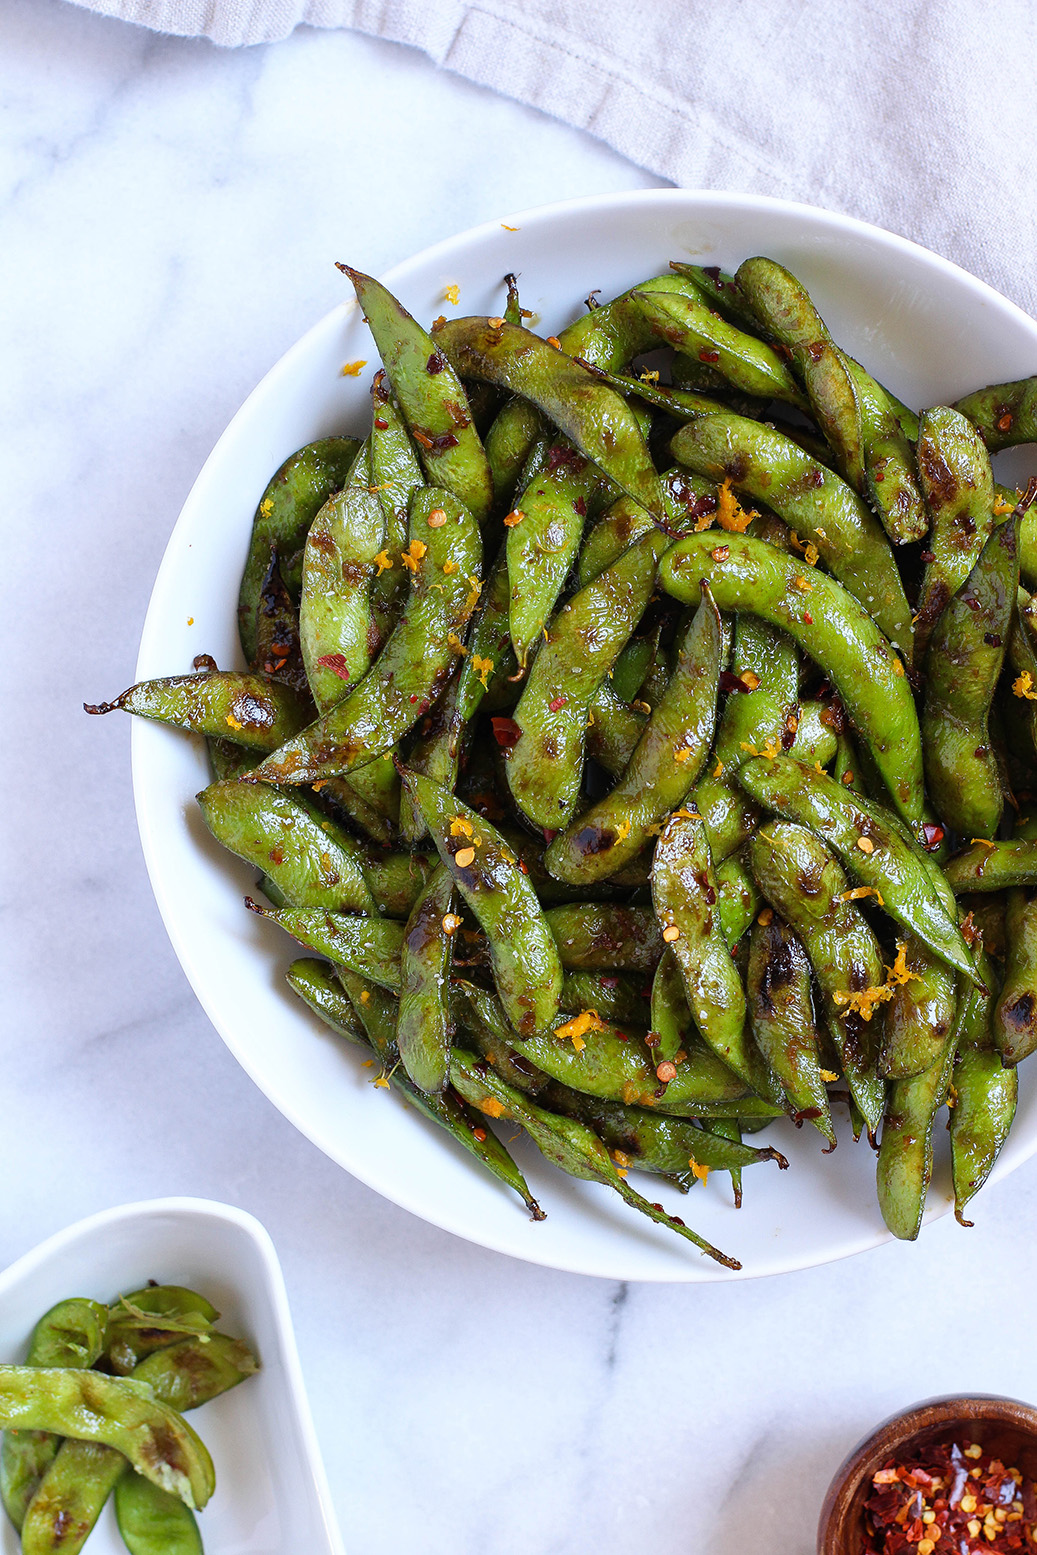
(640, 727)
(97, 1411)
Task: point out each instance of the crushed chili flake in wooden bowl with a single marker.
(951, 1476)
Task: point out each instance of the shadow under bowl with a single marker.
(1004, 1427)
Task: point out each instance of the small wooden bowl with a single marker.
(1003, 1427)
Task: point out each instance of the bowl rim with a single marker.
(928, 1415)
(691, 201)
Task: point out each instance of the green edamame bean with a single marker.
(592, 416)
(370, 947)
(805, 886)
(827, 623)
(415, 662)
(339, 630)
(341, 1010)
(599, 937)
(423, 1029)
(888, 862)
(542, 545)
(584, 639)
(789, 317)
(738, 898)
(684, 893)
(686, 323)
(662, 769)
(564, 1141)
(822, 509)
(523, 954)
(616, 998)
(430, 395)
(113, 1411)
(286, 510)
(919, 1015)
(1013, 1023)
(954, 471)
(781, 1010)
(152, 1522)
(993, 866)
(231, 705)
(963, 664)
(905, 1160)
(1005, 414)
(70, 1334)
(314, 862)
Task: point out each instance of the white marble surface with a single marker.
(170, 213)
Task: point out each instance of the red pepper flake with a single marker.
(932, 836)
(506, 732)
(808, 619)
(435, 363)
(580, 507)
(557, 705)
(949, 1499)
(709, 356)
(720, 553)
(383, 426)
(336, 663)
(549, 835)
(1004, 423)
(479, 1134)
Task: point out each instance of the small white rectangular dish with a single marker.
(271, 1495)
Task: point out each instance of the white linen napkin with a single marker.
(912, 114)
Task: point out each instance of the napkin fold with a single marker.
(909, 114)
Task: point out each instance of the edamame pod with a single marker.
(286, 510)
(523, 953)
(423, 1028)
(781, 1009)
(1013, 1023)
(686, 323)
(889, 466)
(905, 1160)
(370, 947)
(222, 704)
(444, 555)
(152, 1522)
(115, 1412)
(963, 664)
(828, 624)
(993, 866)
(920, 1014)
(823, 510)
(663, 767)
(954, 470)
(870, 845)
(1005, 413)
(600, 937)
(429, 394)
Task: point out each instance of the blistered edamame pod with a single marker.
(781, 1009)
(70, 1334)
(662, 769)
(278, 648)
(523, 954)
(566, 1142)
(614, 730)
(761, 700)
(919, 1015)
(1005, 413)
(805, 885)
(369, 946)
(815, 739)
(444, 556)
(592, 416)
(823, 510)
(889, 465)
(738, 898)
(602, 937)
(286, 510)
(1022, 657)
(395, 468)
(963, 664)
(954, 470)
(827, 623)
(905, 1160)
(343, 1000)
(508, 443)
(338, 628)
(993, 866)
(152, 1522)
(113, 1411)
(222, 704)
(545, 763)
(430, 395)
(423, 1028)
(869, 844)
(789, 317)
(680, 403)
(985, 1097)
(684, 893)
(144, 1321)
(616, 998)
(1013, 1023)
(314, 862)
(686, 323)
(544, 532)
(612, 334)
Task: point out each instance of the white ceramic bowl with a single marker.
(271, 1493)
(927, 329)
